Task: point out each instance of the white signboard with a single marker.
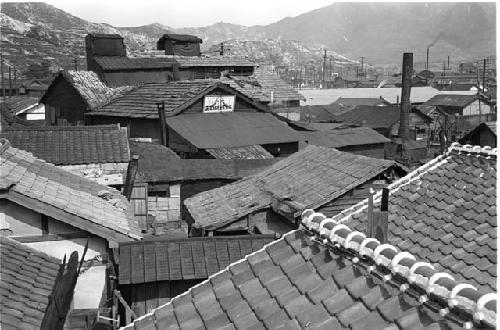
(218, 103)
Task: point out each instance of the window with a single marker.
(420, 133)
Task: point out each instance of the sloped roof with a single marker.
(354, 101)
(452, 100)
(9, 121)
(200, 169)
(17, 104)
(458, 87)
(321, 113)
(445, 212)
(309, 178)
(28, 277)
(342, 137)
(271, 82)
(177, 95)
(64, 196)
(247, 152)
(151, 154)
(491, 126)
(339, 280)
(372, 116)
(185, 258)
(89, 86)
(180, 37)
(71, 145)
(231, 129)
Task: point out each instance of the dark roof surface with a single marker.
(231, 129)
(310, 178)
(201, 169)
(152, 154)
(321, 113)
(71, 145)
(27, 280)
(452, 100)
(354, 101)
(120, 63)
(372, 116)
(445, 213)
(247, 152)
(342, 137)
(184, 259)
(304, 281)
(67, 197)
(142, 101)
(181, 37)
(17, 104)
(491, 126)
(9, 121)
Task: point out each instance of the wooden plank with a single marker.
(162, 268)
(137, 263)
(210, 256)
(200, 269)
(174, 261)
(222, 254)
(233, 247)
(138, 299)
(187, 265)
(124, 265)
(149, 262)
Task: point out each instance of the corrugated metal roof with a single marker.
(310, 178)
(231, 129)
(247, 152)
(343, 137)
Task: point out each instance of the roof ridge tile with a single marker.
(421, 275)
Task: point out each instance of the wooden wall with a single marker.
(376, 150)
(64, 105)
(144, 297)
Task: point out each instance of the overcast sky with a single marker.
(186, 13)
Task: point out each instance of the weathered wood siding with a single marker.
(473, 109)
(64, 106)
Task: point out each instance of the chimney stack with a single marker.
(404, 119)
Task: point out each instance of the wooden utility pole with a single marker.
(76, 64)
(484, 73)
(163, 123)
(324, 69)
(1, 73)
(478, 92)
(448, 62)
(362, 62)
(10, 84)
(15, 81)
(221, 48)
(404, 119)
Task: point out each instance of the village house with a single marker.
(462, 105)
(355, 139)
(201, 115)
(56, 212)
(74, 93)
(169, 180)
(271, 200)
(485, 134)
(98, 153)
(325, 275)
(444, 213)
(154, 271)
(107, 56)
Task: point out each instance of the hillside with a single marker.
(380, 32)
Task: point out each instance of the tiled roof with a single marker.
(321, 113)
(71, 145)
(66, 197)
(248, 87)
(452, 100)
(247, 152)
(342, 137)
(445, 212)
(326, 277)
(308, 178)
(372, 116)
(151, 154)
(231, 129)
(10, 121)
(271, 82)
(17, 104)
(88, 85)
(201, 169)
(141, 102)
(185, 258)
(27, 278)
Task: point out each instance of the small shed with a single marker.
(485, 134)
(271, 200)
(463, 105)
(179, 44)
(154, 271)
